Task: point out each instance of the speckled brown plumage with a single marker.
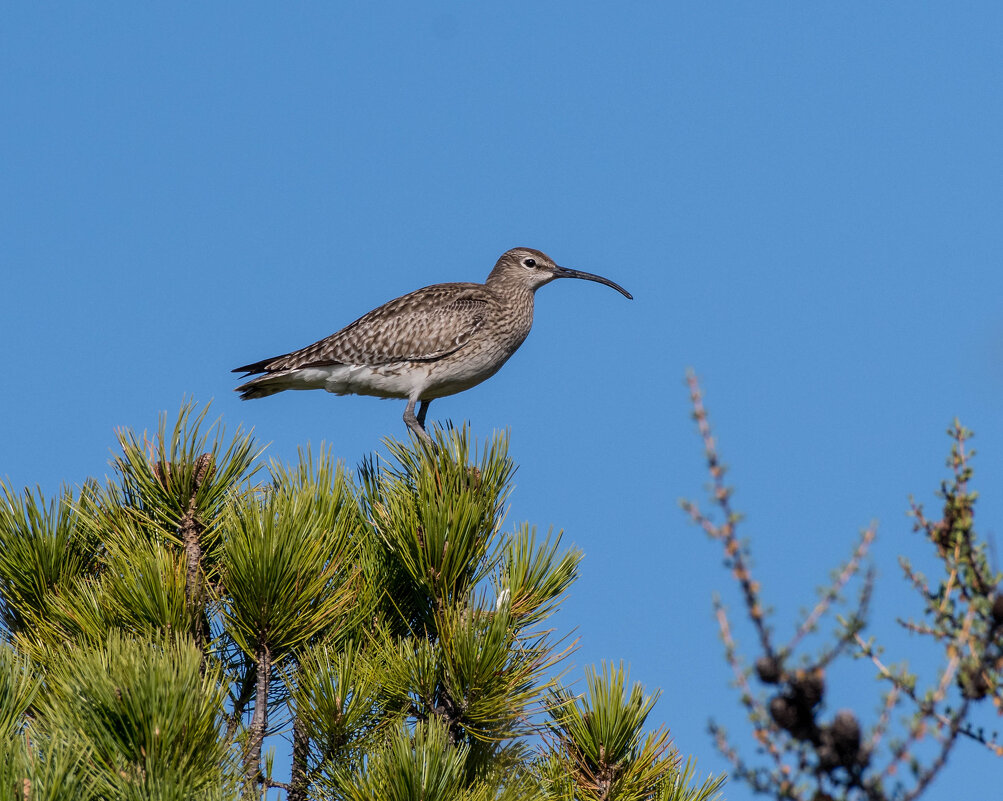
(433, 342)
(427, 324)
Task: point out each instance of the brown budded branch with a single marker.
(721, 496)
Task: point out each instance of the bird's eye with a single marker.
(529, 262)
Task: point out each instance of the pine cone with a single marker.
(768, 669)
(783, 712)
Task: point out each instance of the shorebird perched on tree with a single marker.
(433, 342)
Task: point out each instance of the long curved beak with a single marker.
(566, 272)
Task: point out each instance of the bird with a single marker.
(433, 342)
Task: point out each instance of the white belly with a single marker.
(420, 380)
(390, 381)
(402, 380)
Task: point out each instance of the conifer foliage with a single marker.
(167, 633)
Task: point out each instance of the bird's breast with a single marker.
(476, 362)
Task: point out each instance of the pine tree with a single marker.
(160, 630)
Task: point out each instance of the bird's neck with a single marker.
(512, 293)
(515, 301)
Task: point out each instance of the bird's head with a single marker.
(532, 269)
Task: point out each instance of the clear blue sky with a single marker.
(805, 200)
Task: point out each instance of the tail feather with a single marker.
(261, 387)
(274, 375)
(258, 387)
(258, 367)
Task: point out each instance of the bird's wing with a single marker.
(425, 325)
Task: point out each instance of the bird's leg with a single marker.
(416, 424)
(422, 411)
